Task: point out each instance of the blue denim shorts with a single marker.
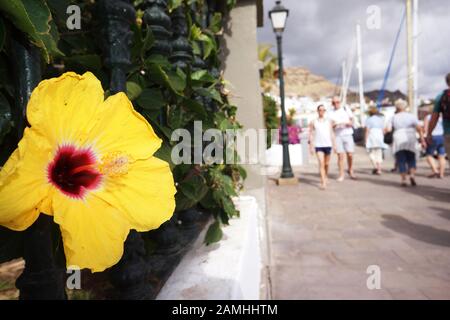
(406, 160)
(437, 145)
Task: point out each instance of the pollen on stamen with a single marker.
(114, 164)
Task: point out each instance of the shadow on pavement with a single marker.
(428, 192)
(417, 231)
(444, 213)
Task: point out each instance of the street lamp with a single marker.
(278, 16)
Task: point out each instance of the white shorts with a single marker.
(345, 144)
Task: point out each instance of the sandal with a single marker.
(413, 181)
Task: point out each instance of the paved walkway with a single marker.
(322, 242)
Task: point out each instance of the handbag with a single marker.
(389, 137)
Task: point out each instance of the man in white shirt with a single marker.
(342, 121)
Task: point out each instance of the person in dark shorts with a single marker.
(437, 146)
(441, 108)
(405, 126)
(321, 142)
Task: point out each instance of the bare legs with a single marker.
(376, 157)
(442, 164)
(411, 174)
(324, 164)
(341, 157)
(341, 166)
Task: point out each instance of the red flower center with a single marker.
(73, 172)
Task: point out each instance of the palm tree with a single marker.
(270, 66)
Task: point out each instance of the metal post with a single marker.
(416, 55)
(129, 275)
(287, 169)
(362, 101)
(411, 101)
(41, 279)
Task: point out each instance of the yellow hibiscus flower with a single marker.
(89, 163)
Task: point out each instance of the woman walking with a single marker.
(374, 138)
(321, 142)
(405, 126)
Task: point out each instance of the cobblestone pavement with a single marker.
(322, 242)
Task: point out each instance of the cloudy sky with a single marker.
(319, 36)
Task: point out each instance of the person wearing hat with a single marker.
(374, 138)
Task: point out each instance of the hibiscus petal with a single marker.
(23, 184)
(65, 108)
(145, 194)
(124, 130)
(93, 232)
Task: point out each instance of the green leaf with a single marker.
(196, 107)
(151, 99)
(148, 42)
(229, 207)
(210, 92)
(173, 4)
(172, 80)
(133, 90)
(195, 32)
(59, 10)
(214, 233)
(203, 76)
(158, 60)
(33, 17)
(216, 22)
(194, 188)
(177, 80)
(209, 45)
(224, 217)
(177, 118)
(196, 50)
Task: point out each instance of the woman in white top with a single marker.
(405, 126)
(321, 142)
(437, 146)
(374, 138)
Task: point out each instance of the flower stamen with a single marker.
(114, 164)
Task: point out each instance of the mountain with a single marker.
(391, 96)
(300, 81)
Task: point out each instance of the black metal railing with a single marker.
(139, 274)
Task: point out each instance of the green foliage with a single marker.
(214, 233)
(33, 17)
(168, 98)
(270, 116)
(270, 65)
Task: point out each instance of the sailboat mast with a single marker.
(416, 54)
(344, 80)
(409, 23)
(362, 102)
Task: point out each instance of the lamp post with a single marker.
(278, 16)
